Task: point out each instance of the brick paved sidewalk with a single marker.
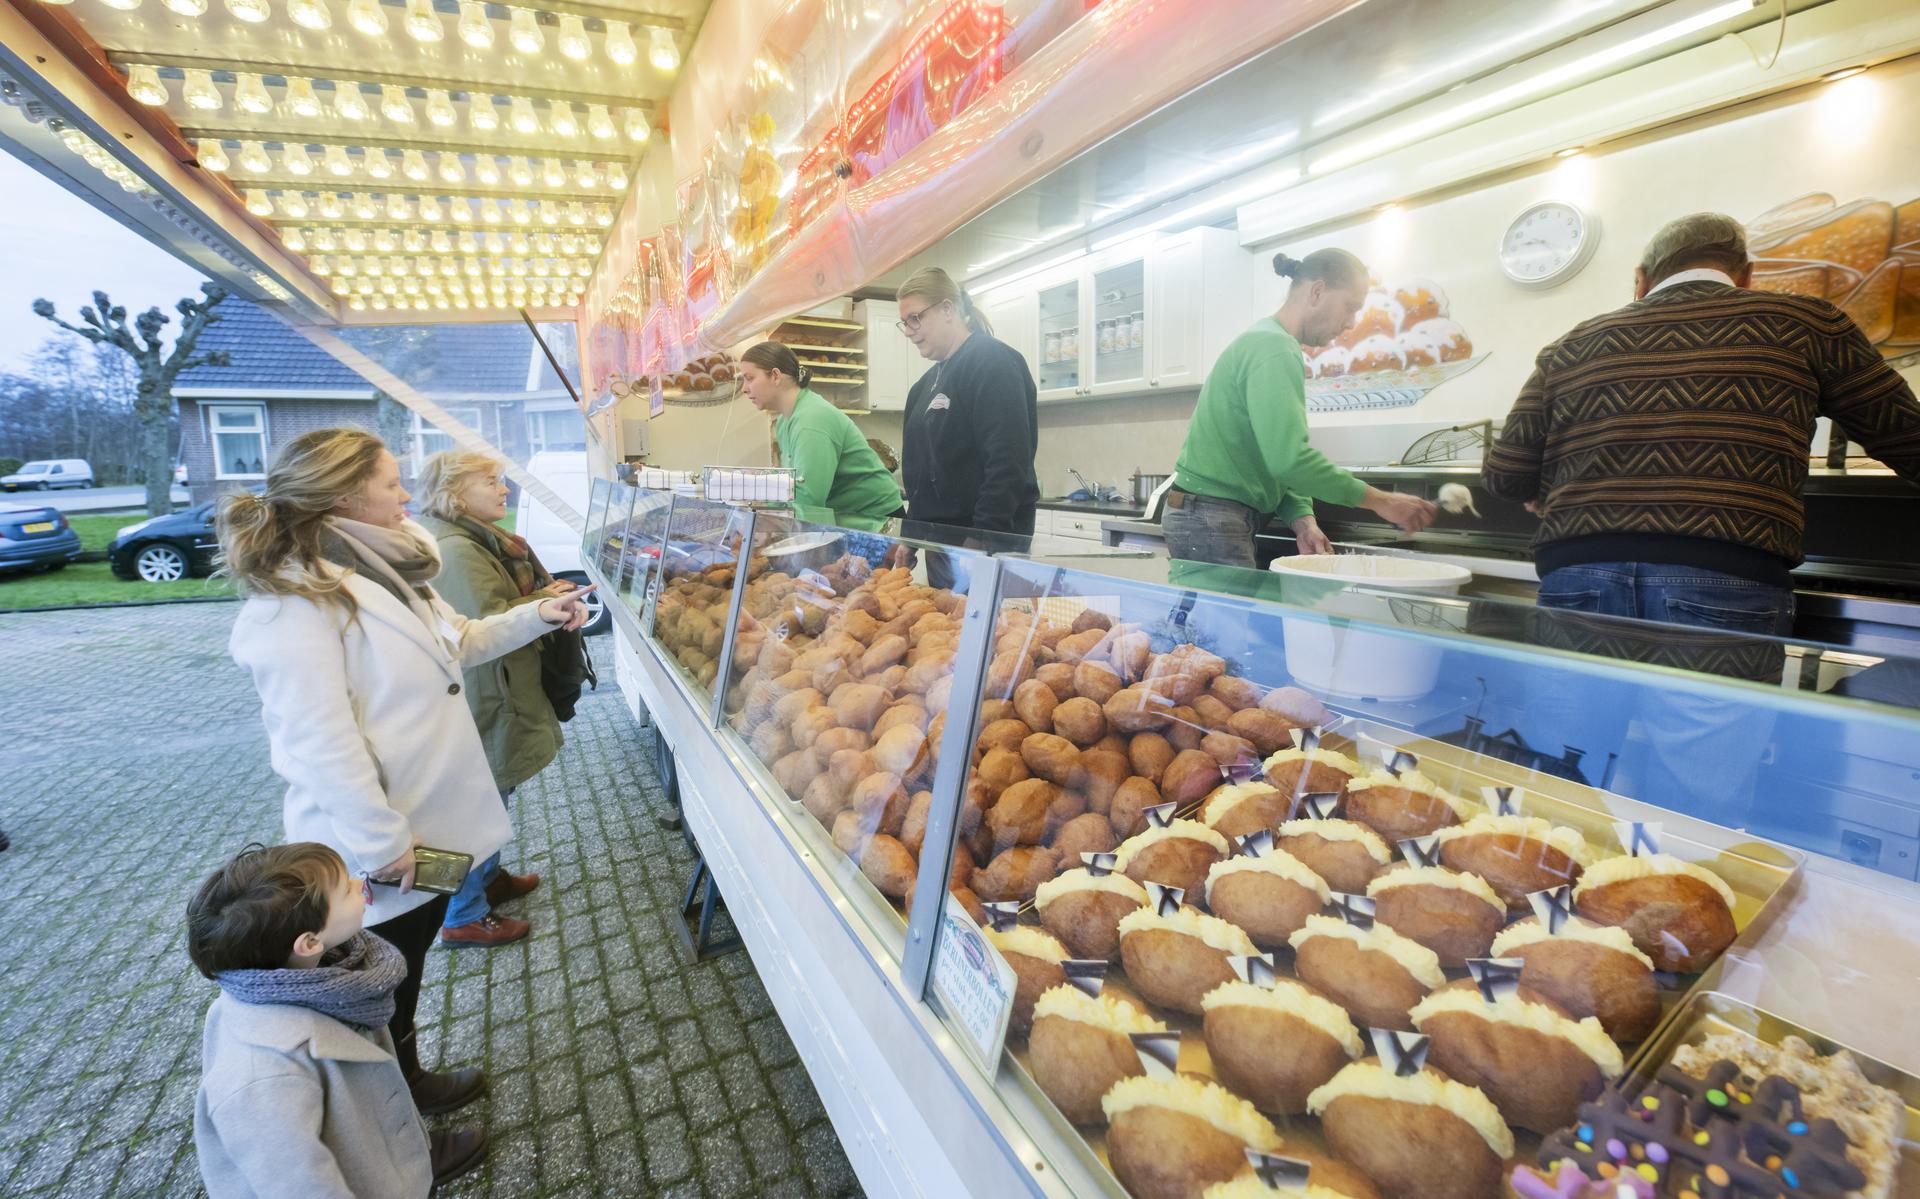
(136, 760)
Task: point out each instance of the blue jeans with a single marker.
(1671, 594)
(469, 903)
(1695, 753)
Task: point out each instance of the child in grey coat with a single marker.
(300, 1093)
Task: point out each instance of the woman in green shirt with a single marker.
(837, 468)
(1246, 455)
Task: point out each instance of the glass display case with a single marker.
(1214, 844)
(689, 615)
(1279, 865)
(646, 528)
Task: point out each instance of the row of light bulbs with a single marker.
(452, 268)
(381, 303)
(357, 240)
(391, 285)
(250, 95)
(296, 159)
(94, 156)
(422, 23)
(394, 206)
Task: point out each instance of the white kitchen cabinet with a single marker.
(1014, 315)
(893, 365)
(1132, 321)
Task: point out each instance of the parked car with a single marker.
(32, 537)
(555, 541)
(49, 473)
(166, 549)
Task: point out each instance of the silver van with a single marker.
(49, 473)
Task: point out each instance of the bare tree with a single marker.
(106, 325)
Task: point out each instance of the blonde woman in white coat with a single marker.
(358, 665)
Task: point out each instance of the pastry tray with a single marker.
(1760, 873)
(1708, 1012)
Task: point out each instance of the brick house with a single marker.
(491, 377)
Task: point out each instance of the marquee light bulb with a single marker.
(486, 170)
(301, 100)
(662, 51)
(521, 116)
(378, 165)
(619, 42)
(253, 158)
(333, 208)
(143, 84)
(293, 204)
(348, 103)
(430, 208)
(460, 211)
(482, 116)
(475, 30)
(585, 175)
(366, 16)
(561, 119)
(310, 14)
(638, 130)
(440, 111)
(523, 30)
(354, 239)
(187, 8)
(552, 173)
(251, 11)
(122, 5)
(364, 206)
(617, 176)
(213, 155)
(394, 104)
(422, 23)
(451, 170)
(258, 204)
(297, 161)
(600, 122)
(574, 42)
(520, 171)
(199, 91)
(250, 94)
(323, 239)
(295, 241)
(413, 164)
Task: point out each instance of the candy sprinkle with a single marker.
(1717, 1097)
(1798, 1128)
(1616, 1150)
(1717, 1175)
(1790, 1178)
(1649, 1173)
(1650, 1102)
(1701, 1138)
(1657, 1153)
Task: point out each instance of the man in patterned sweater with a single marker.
(1664, 445)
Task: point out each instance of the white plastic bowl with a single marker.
(1336, 658)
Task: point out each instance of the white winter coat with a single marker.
(368, 726)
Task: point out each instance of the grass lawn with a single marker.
(85, 583)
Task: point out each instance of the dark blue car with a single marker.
(166, 549)
(31, 536)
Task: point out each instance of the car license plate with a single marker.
(43, 526)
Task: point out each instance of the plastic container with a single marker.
(1350, 660)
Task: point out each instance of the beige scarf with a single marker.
(400, 559)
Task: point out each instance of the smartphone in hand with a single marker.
(437, 871)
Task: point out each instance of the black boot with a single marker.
(437, 1093)
(455, 1152)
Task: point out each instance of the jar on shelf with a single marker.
(1070, 344)
(1053, 348)
(1105, 332)
(1137, 333)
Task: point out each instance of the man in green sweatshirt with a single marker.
(1246, 456)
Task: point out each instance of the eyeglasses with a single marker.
(911, 323)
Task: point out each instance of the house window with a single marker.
(557, 429)
(239, 436)
(428, 440)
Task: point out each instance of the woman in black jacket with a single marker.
(972, 425)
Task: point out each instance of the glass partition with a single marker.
(646, 528)
(838, 687)
(595, 528)
(610, 542)
(1257, 821)
(698, 557)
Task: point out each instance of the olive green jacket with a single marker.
(517, 726)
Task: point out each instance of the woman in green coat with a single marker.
(483, 570)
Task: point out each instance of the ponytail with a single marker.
(1331, 265)
(270, 543)
(933, 284)
(778, 356)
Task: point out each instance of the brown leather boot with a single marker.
(508, 887)
(455, 1152)
(490, 930)
(436, 1093)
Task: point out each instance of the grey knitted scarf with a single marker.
(354, 982)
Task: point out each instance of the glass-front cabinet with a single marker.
(1119, 328)
(1062, 345)
(1230, 862)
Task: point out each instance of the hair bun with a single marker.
(804, 377)
(1285, 266)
